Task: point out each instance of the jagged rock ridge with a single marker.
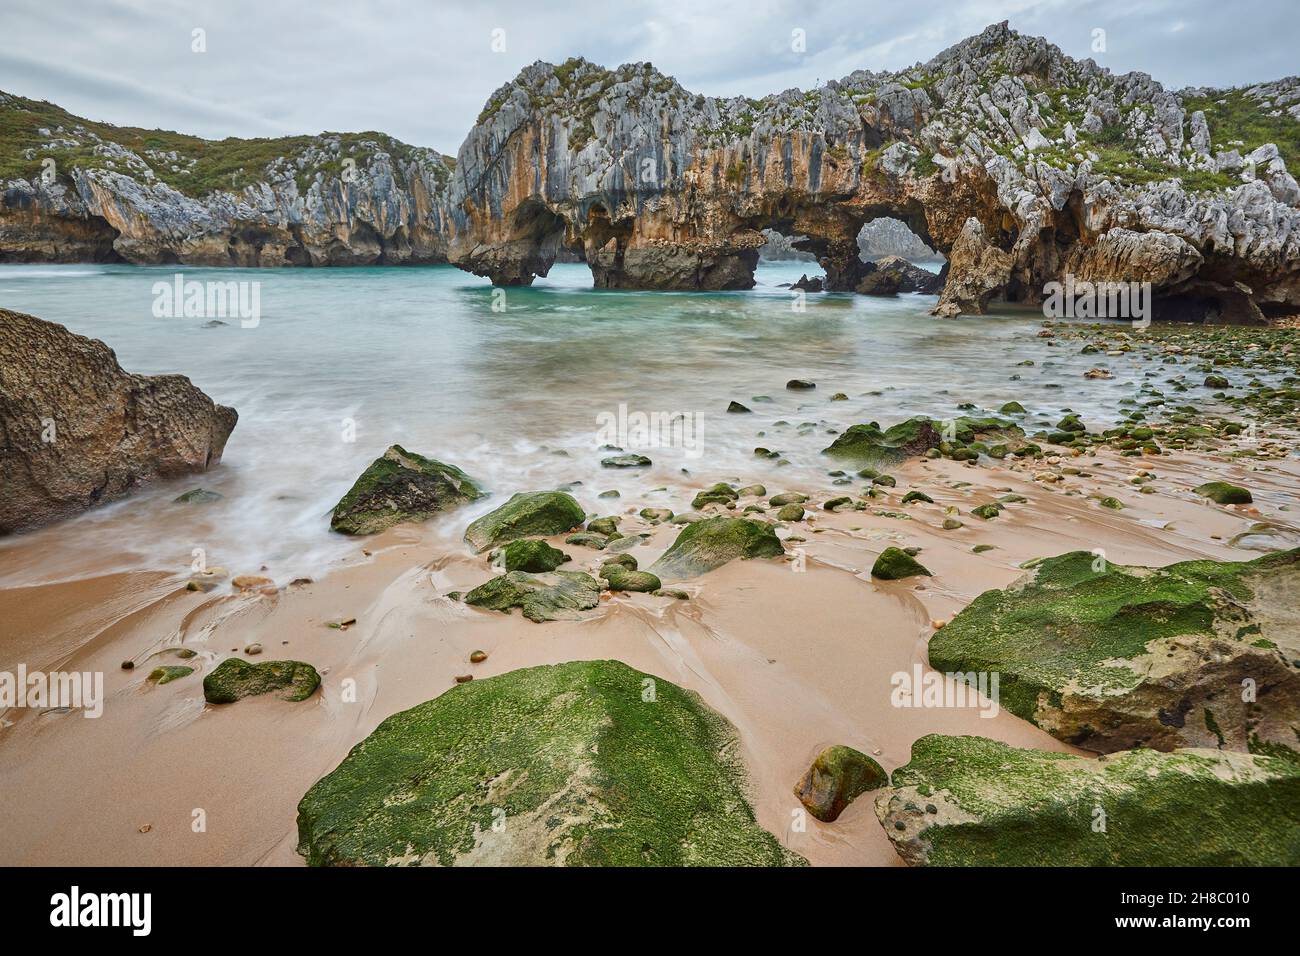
(75, 190)
(1063, 166)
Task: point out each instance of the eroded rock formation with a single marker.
(92, 192)
(1062, 166)
(77, 431)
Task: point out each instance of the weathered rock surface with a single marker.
(1058, 162)
(526, 514)
(119, 194)
(968, 801)
(836, 778)
(558, 596)
(589, 763)
(78, 431)
(1108, 657)
(711, 543)
(235, 678)
(870, 445)
(401, 486)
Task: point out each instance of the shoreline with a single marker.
(796, 661)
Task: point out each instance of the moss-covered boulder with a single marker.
(790, 513)
(558, 596)
(235, 678)
(705, 545)
(969, 801)
(400, 486)
(1108, 657)
(529, 554)
(894, 564)
(629, 579)
(589, 763)
(836, 778)
(870, 445)
(526, 514)
(720, 494)
(1224, 493)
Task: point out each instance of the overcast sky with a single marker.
(423, 70)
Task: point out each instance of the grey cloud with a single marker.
(423, 71)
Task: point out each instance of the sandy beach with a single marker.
(796, 653)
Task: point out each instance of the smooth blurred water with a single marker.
(418, 356)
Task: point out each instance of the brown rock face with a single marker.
(76, 430)
(978, 270)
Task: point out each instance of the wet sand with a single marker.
(796, 659)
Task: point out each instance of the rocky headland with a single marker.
(1016, 162)
(75, 190)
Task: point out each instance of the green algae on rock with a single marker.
(235, 678)
(168, 673)
(400, 486)
(704, 545)
(1224, 493)
(621, 578)
(589, 763)
(530, 554)
(790, 512)
(721, 494)
(558, 596)
(526, 514)
(872, 446)
(1110, 657)
(894, 564)
(836, 778)
(970, 801)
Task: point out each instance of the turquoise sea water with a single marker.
(515, 397)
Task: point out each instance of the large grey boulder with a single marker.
(77, 431)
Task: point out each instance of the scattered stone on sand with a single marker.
(557, 596)
(197, 496)
(711, 543)
(836, 778)
(626, 461)
(477, 657)
(621, 578)
(526, 514)
(168, 673)
(400, 486)
(529, 554)
(1224, 493)
(738, 409)
(798, 384)
(894, 564)
(235, 678)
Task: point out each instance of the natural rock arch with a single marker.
(986, 152)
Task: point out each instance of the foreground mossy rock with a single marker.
(836, 778)
(558, 596)
(711, 543)
(530, 554)
(589, 763)
(526, 514)
(894, 564)
(235, 678)
(871, 446)
(969, 801)
(1110, 657)
(400, 486)
(1224, 493)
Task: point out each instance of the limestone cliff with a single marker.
(1065, 168)
(75, 190)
